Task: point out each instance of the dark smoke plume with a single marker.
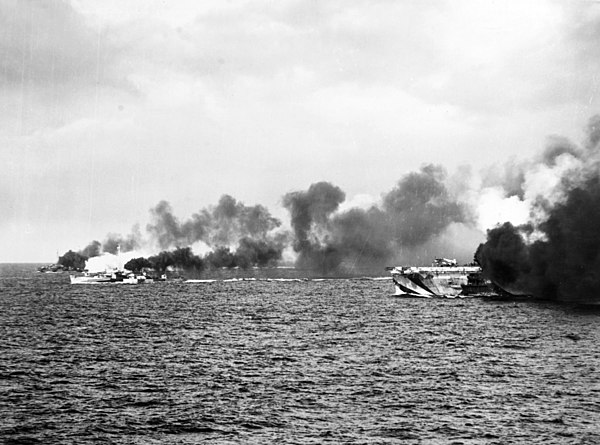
(564, 264)
(420, 207)
(556, 257)
(114, 241)
(361, 237)
(76, 260)
(505, 258)
(221, 257)
(228, 224)
(222, 225)
(416, 211)
(231, 220)
(182, 258)
(165, 228)
(251, 252)
(91, 250)
(310, 211)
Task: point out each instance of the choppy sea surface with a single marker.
(312, 362)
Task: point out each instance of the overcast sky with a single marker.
(108, 107)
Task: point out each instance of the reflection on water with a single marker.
(335, 362)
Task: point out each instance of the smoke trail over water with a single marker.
(539, 250)
(251, 230)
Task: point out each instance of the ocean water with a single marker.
(314, 362)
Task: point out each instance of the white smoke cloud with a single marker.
(492, 207)
(108, 262)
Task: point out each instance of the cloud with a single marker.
(47, 43)
(55, 67)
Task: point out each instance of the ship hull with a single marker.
(89, 279)
(431, 282)
(102, 279)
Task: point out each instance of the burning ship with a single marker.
(444, 278)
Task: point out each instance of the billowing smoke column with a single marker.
(165, 228)
(416, 212)
(222, 225)
(361, 238)
(228, 224)
(310, 212)
(557, 254)
(91, 250)
(115, 241)
(420, 207)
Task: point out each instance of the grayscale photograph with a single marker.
(304, 222)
